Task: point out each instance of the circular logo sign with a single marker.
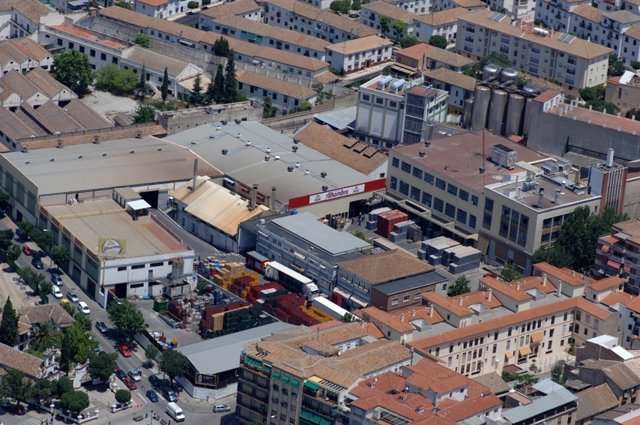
(111, 247)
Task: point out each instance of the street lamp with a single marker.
(52, 406)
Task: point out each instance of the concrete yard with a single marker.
(108, 105)
(156, 324)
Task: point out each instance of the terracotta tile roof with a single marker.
(11, 358)
(390, 11)
(617, 298)
(266, 30)
(612, 282)
(510, 319)
(633, 32)
(578, 47)
(363, 44)
(238, 7)
(275, 85)
(460, 305)
(45, 313)
(395, 321)
(153, 3)
(418, 51)
(437, 378)
(547, 95)
(32, 9)
(443, 17)
(386, 266)
(326, 77)
(567, 276)
(588, 12)
(518, 289)
(270, 55)
(451, 77)
(469, 4)
(634, 305)
(343, 149)
(327, 17)
(88, 35)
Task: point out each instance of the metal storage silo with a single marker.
(496, 110)
(490, 71)
(480, 107)
(514, 114)
(508, 75)
(468, 113)
(526, 122)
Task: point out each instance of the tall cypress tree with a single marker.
(9, 325)
(216, 88)
(196, 92)
(142, 82)
(230, 83)
(164, 89)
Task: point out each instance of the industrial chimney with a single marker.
(195, 174)
(254, 193)
(610, 155)
(272, 200)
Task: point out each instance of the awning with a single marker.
(312, 385)
(605, 248)
(285, 379)
(295, 382)
(536, 337)
(508, 354)
(276, 374)
(524, 351)
(138, 204)
(613, 264)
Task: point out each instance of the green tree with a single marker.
(557, 372)
(635, 65)
(144, 113)
(173, 363)
(142, 40)
(9, 325)
(77, 344)
(42, 390)
(206, 2)
(499, 59)
(75, 401)
(45, 336)
(6, 239)
(616, 66)
(509, 273)
(123, 4)
(459, 286)
(15, 385)
(116, 80)
(215, 91)
(84, 320)
(408, 41)
(141, 87)
(230, 83)
(193, 5)
(126, 317)
(356, 4)
(384, 24)
(221, 47)
(438, 41)
(633, 113)
(340, 6)
(197, 97)
(398, 29)
(151, 353)
(302, 106)
(63, 385)
(101, 366)
(123, 396)
(13, 253)
(72, 69)
(59, 255)
(268, 110)
(5, 201)
(164, 89)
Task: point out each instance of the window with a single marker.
(406, 298)
(395, 162)
(461, 216)
(426, 199)
(404, 188)
(474, 199)
(406, 167)
(472, 221)
(452, 189)
(450, 210)
(137, 266)
(415, 193)
(417, 172)
(464, 195)
(488, 213)
(428, 178)
(103, 56)
(440, 184)
(438, 204)
(121, 269)
(393, 182)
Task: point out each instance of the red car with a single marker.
(26, 250)
(129, 383)
(125, 350)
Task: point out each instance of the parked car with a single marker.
(83, 307)
(121, 374)
(26, 250)
(125, 350)
(37, 262)
(219, 408)
(17, 409)
(153, 396)
(102, 327)
(169, 394)
(155, 381)
(22, 235)
(56, 279)
(73, 297)
(129, 383)
(135, 375)
(57, 293)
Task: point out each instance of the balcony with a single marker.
(261, 409)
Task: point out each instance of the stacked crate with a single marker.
(372, 218)
(387, 220)
(433, 249)
(460, 259)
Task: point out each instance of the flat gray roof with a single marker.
(306, 226)
(223, 353)
(245, 159)
(340, 119)
(116, 163)
(558, 397)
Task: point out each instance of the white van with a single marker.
(175, 412)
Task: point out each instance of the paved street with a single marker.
(197, 412)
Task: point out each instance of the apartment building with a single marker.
(356, 55)
(556, 14)
(631, 324)
(394, 111)
(305, 376)
(163, 9)
(425, 393)
(371, 15)
(539, 335)
(268, 35)
(26, 16)
(423, 56)
(284, 95)
(247, 9)
(623, 91)
(618, 253)
(459, 86)
(523, 10)
(564, 58)
(443, 23)
(324, 24)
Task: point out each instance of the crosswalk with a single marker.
(31, 421)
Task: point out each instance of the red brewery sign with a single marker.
(341, 192)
